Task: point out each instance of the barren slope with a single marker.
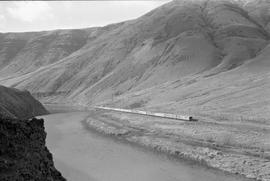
(19, 104)
(204, 58)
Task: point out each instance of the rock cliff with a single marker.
(23, 154)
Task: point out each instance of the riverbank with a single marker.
(220, 149)
(82, 154)
(63, 140)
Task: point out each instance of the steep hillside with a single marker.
(19, 104)
(208, 58)
(24, 52)
(24, 155)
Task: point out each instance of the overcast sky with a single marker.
(45, 15)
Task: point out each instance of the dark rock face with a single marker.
(23, 153)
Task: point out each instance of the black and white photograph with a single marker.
(135, 90)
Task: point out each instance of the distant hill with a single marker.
(208, 58)
(19, 104)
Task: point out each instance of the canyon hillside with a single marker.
(19, 104)
(206, 58)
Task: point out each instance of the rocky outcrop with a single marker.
(23, 154)
(19, 104)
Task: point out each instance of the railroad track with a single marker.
(149, 113)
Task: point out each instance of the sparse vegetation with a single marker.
(137, 104)
(240, 7)
(118, 93)
(224, 139)
(207, 24)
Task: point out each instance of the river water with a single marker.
(82, 155)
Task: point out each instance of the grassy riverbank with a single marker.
(82, 154)
(234, 147)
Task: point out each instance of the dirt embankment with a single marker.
(224, 146)
(23, 153)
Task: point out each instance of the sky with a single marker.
(23, 16)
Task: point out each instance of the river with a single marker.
(82, 155)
